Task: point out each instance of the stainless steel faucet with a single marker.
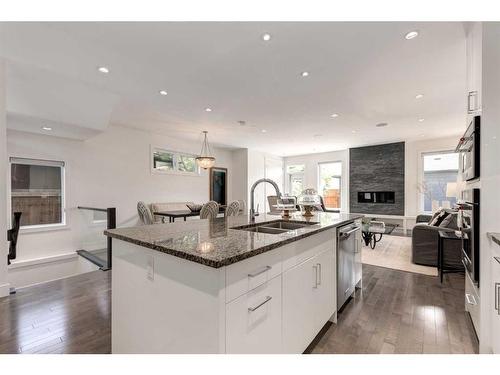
(254, 213)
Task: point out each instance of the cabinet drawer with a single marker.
(253, 321)
(244, 276)
(299, 251)
(472, 303)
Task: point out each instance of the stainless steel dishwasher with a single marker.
(348, 261)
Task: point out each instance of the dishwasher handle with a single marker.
(346, 235)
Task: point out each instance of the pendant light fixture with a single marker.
(205, 160)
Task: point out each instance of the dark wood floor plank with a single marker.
(72, 315)
(395, 312)
(402, 312)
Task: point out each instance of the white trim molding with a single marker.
(4, 290)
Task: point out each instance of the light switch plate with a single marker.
(151, 268)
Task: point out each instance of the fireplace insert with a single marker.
(387, 197)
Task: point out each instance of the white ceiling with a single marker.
(368, 73)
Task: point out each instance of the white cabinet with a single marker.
(325, 292)
(474, 66)
(496, 306)
(252, 272)
(274, 302)
(472, 304)
(298, 309)
(308, 300)
(253, 320)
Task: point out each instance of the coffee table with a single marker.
(371, 229)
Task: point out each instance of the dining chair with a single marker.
(233, 209)
(144, 213)
(210, 210)
(242, 206)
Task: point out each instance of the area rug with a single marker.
(394, 252)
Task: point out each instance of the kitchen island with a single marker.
(231, 285)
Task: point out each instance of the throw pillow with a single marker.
(434, 215)
(439, 218)
(450, 221)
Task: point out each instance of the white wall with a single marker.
(311, 171)
(240, 174)
(414, 167)
(4, 285)
(490, 179)
(109, 170)
(264, 165)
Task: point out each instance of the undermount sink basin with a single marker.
(267, 230)
(287, 225)
(276, 227)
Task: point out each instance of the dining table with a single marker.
(175, 214)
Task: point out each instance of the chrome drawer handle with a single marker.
(497, 297)
(315, 276)
(266, 268)
(268, 298)
(469, 297)
(319, 269)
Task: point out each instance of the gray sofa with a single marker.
(425, 243)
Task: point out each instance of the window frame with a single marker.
(41, 162)
(176, 155)
(421, 173)
(288, 179)
(337, 176)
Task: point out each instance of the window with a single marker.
(439, 183)
(330, 183)
(37, 190)
(164, 161)
(295, 176)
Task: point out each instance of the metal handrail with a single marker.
(92, 208)
(111, 224)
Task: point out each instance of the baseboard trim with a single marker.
(36, 261)
(4, 290)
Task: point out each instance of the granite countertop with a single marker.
(215, 244)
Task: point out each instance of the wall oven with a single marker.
(469, 226)
(469, 149)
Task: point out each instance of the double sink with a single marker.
(276, 227)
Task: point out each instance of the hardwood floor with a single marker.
(402, 312)
(72, 315)
(396, 312)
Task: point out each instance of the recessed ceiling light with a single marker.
(382, 124)
(208, 109)
(264, 131)
(163, 92)
(47, 128)
(419, 96)
(266, 37)
(334, 115)
(353, 131)
(421, 119)
(304, 74)
(103, 69)
(411, 35)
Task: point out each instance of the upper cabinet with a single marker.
(473, 32)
